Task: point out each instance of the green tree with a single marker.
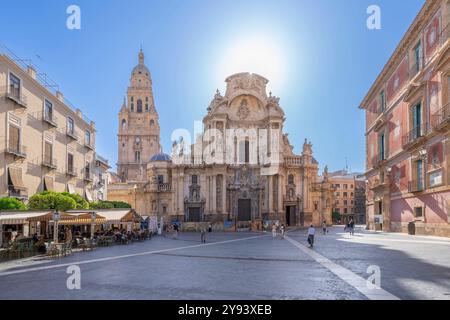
(81, 202)
(12, 204)
(120, 205)
(101, 205)
(336, 216)
(52, 201)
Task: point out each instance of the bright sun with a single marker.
(255, 55)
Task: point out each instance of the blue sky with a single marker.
(319, 53)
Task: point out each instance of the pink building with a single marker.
(407, 130)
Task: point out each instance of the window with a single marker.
(417, 57)
(345, 194)
(338, 194)
(48, 110)
(70, 167)
(70, 126)
(48, 152)
(345, 186)
(244, 151)
(345, 210)
(194, 179)
(345, 202)
(351, 194)
(417, 120)
(132, 106)
(146, 107)
(419, 172)
(87, 170)
(139, 106)
(381, 147)
(137, 156)
(160, 179)
(87, 137)
(152, 123)
(14, 86)
(382, 102)
(418, 212)
(291, 179)
(435, 178)
(14, 139)
(338, 186)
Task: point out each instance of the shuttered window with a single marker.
(14, 138)
(48, 152)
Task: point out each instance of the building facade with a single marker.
(101, 179)
(349, 196)
(138, 126)
(45, 143)
(407, 131)
(241, 169)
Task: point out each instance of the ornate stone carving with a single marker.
(243, 111)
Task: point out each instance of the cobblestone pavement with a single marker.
(243, 266)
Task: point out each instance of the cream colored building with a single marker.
(242, 169)
(45, 143)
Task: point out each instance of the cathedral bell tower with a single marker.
(139, 131)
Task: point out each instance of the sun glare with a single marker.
(255, 55)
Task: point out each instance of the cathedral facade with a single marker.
(241, 171)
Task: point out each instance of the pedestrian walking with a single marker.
(352, 227)
(175, 231)
(203, 235)
(324, 227)
(311, 234)
(283, 230)
(210, 228)
(274, 231)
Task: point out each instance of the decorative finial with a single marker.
(141, 56)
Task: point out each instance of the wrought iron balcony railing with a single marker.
(416, 185)
(50, 118)
(14, 94)
(71, 171)
(19, 151)
(49, 162)
(415, 135)
(440, 120)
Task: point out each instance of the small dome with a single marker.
(160, 157)
(141, 68)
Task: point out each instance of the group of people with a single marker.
(350, 227)
(278, 231)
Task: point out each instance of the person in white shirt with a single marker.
(311, 234)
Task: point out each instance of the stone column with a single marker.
(214, 194)
(270, 194)
(280, 194)
(224, 193)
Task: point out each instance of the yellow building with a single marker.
(45, 143)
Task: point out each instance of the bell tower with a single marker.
(139, 131)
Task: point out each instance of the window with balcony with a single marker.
(160, 179)
(419, 175)
(70, 167)
(48, 154)
(14, 140)
(14, 86)
(48, 111)
(137, 156)
(87, 138)
(417, 121)
(194, 179)
(70, 126)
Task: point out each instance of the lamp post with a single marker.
(135, 198)
(56, 217)
(93, 216)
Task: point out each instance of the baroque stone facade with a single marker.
(241, 170)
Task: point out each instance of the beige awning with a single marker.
(82, 218)
(49, 183)
(16, 178)
(88, 195)
(24, 217)
(70, 188)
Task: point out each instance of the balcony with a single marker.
(15, 95)
(50, 119)
(380, 185)
(415, 186)
(89, 145)
(293, 161)
(415, 137)
(440, 120)
(71, 134)
(15, 193)
(49, 162)
(379, 160)
(71, 171)
(164, 187)
(17, 151)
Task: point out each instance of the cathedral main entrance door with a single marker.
(194, 215)
(290, 215)
(244, 210)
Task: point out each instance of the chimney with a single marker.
(60, 96)
(79, 113)
(31, 72)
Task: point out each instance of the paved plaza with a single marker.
(243, 266)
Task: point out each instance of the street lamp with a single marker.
(56, 217)
(135, 193)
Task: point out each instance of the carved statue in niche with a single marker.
(243, 111)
